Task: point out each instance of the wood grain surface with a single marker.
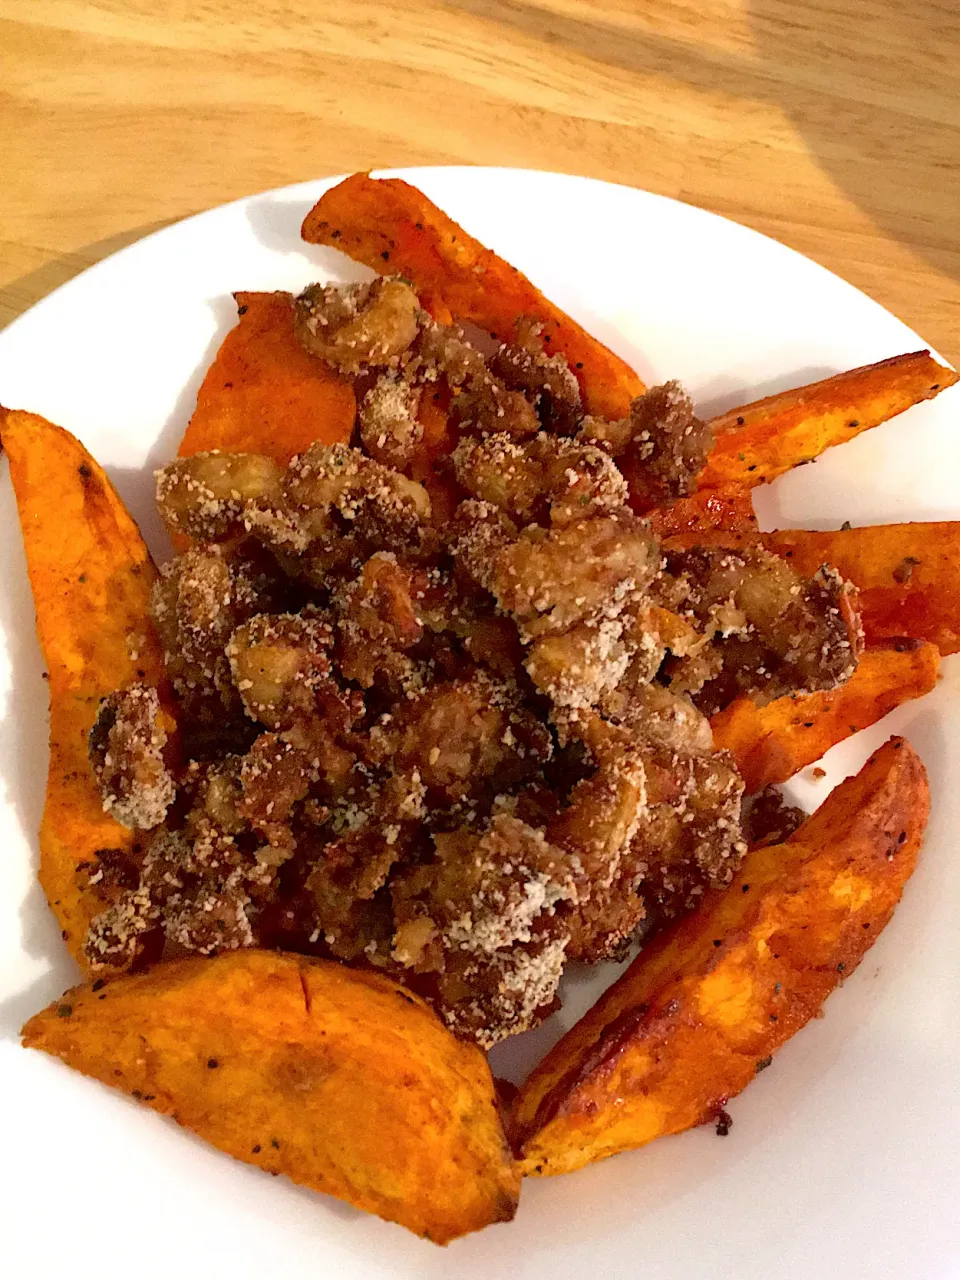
(833, 125)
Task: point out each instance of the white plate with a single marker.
(843, 1159)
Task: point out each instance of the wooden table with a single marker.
(833, 125)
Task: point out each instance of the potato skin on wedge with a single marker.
(703, 1008)
(341, 1080)
(91, 576)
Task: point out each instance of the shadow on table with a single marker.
(874, 93)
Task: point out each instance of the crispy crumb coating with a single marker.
(461, 742)
(360, 325)
(127, 745)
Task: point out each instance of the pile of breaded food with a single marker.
(442, 706)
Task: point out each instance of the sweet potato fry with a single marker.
(772, 743)
(908, 575)
(729, 510)
(758, 442)
(391, 226)
(340, 1079)
(264, 393)
(91, 576)
(703, 1008)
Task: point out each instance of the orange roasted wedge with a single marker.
(908, 575)
(264, 393)
(393, 228)
(338, 1078)
(772, 743)
(762, 440)
(726, 510)
(91, 577)
(708, 1003)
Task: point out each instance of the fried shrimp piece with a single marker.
(548, 380)
(579, 667)
(661, 447)
(443, 350)
(205, 496)
(597, 826)
(582, 572)
(476, 535)
(484, 406)
(610, 662)
(209, 920)
(280, 663)
(350, 862)
(689, 837)
(275, 775)
(356, 326)
(187, 892)
(376, 502)
(379, 621)
(546, 475)
(337, 507)
(497, 470)
(395, 623)
(387, 416)
(203, 884)
(126, 750)
(199, 600)
(772, 632)
(467, 738)
(483, 914)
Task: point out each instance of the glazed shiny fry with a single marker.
(342, 1080)
(703, 1009)
(264, 393)
(908, 575)
(772, 743)
(760, 441)
(91, 577)
(393, 228)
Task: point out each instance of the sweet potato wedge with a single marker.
(760, 441)
(772, 743)
(704, 1007)
(340, 1079)
(91, 576)
(264, 393)
(392, 227)
(728, 510)
(908, 575)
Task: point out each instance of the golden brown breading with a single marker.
(525, 365)
(199, 600)
(661, 447)
(771, 632)
(127, 745)
(461, 742)
(387, 417)
(206, 495)
(358, 325)
(280, 664)
(541, 479)
(483, 913)
(583, 572)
